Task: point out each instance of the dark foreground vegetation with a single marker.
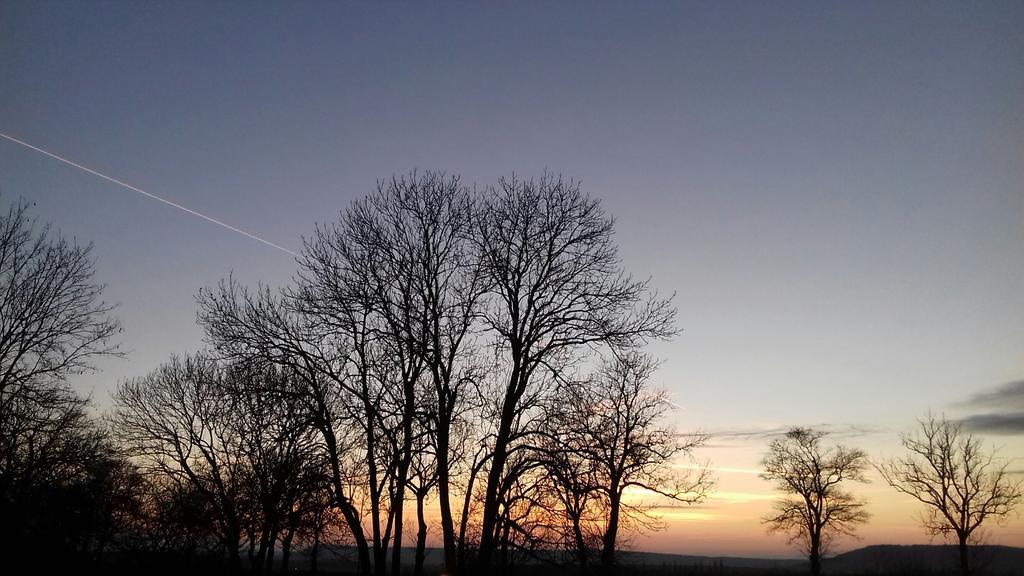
(882, 560)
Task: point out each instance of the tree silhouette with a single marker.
(609, 434)
(336, 370)
(961, 484)
(554, 284)
(53, 324)
(177, 421)
(405, 249)
(811, 475)
(253, 458)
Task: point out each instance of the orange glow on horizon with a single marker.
(728, 522)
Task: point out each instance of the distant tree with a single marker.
(811, 475)
(177, 521)
(961, 484)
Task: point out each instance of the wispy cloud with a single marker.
(741, 497)
(774, 431)
(684, 515)
(1007, 423)
(1003, 410)
(1009, 395)
(724, 469)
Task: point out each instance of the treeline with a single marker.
(470, 358)
(450, 360)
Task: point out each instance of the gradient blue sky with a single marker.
(834, 190)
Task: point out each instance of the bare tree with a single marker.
(613, 432)
(176, 420)
(431, 222)
(279, 449)
(961, 484)
(422, 481)
(555, 284)
(816, 508)
(407, 245)
(332, 357)
(253, 457)
(385, 298)
(571, 477)
(53, 324)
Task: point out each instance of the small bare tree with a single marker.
(815, 509)
(616, 424)
(176, 421)
(960, 483)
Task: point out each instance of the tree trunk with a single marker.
(612, 532)
(286, 549)
(396, 545)
(403, 474)
(421, 536)
(503, 547)
(234, 556)
(379, 558)
(348, 511)
(362, 547)
(379, 554)
(271, 546)
(451, 567)
(815, 555)
(500, 455)
(965, 566)
(581, 545)
(314, 560)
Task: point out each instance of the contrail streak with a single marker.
(150, 195)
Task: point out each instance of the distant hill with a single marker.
(879, 559)
(997, 560)
(654, 559)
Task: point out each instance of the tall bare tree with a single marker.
(961, 484)
(555, 284)
(815, 508)
(407, 245)
(385, 298)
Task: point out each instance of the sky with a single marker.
(833, 191)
